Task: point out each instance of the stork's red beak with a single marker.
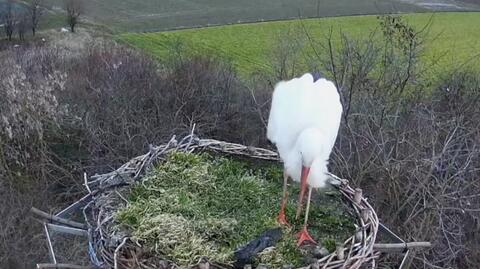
(303, 188)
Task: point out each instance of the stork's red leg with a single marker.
(282, 219)
(304, 236)
(303, 188)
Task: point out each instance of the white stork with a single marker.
(303, 124)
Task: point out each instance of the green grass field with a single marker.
(453, 38)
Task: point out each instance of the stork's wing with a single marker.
(283, 124)
(323, 109)
(299, 104)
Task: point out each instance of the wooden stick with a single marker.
(51, 252)
(85, 182)
(340, 253)
(67, 230)
(61, 265)
(364, 214)
(400, 247)
(117, 250)
(71, 208)
(358, 196)
(53, 218)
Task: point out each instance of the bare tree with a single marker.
(74, 10)
(9, 20)
(22, 25)
(36, 13)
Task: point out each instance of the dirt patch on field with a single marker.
(446, 5)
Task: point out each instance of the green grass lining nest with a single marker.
(196, 205)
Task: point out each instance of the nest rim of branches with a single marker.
(112, 248)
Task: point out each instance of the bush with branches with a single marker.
(28, 111)
(121, 101)
(415, 150)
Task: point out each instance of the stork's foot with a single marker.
(304, 237)
(282, 219)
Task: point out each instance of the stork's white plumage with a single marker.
(303, 124)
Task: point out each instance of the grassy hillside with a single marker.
(452, 38)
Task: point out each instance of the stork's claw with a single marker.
(304, 236)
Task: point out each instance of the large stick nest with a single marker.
(113, 248)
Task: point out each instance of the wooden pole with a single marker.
(400, 247)
(53, 218)
(67, 229)
(61, 266)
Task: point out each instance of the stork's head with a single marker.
(316, 76)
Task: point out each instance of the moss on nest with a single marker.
(196, 205)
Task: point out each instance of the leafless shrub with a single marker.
(28, 108)
(125, 101)
(206, 91)
(414, 150)
(28, 103)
